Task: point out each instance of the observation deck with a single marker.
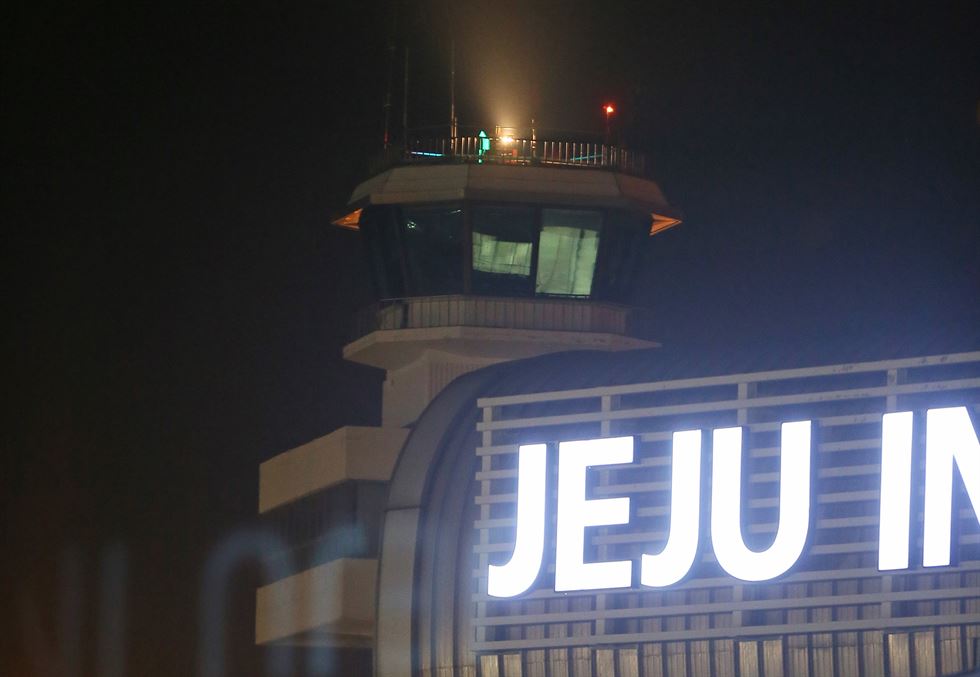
(395, 332)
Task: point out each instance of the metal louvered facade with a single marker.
(834, 614)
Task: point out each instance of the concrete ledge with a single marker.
(329, 605)
(392, 349)
(348, 453)
(512, 183)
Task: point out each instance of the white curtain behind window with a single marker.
(567, 254)
(491, 255)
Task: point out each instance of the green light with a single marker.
(484, 145)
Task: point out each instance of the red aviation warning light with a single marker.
(608, 109)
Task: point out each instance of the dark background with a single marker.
(176, 300)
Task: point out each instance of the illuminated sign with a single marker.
(951, 440)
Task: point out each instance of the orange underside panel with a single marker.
(659, 224)
(351, 221)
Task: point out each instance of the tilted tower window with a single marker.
(503, 250)
(567, 251)
(433, 241)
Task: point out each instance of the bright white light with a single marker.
(950, 438)
(726, 504)
(575, 513)
(519, 574)
(896, 491)
(677, 557)
(507, 140)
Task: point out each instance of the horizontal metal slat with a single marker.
(774, 604)
(731, 632)
(728, 582)
(732, 379)
(733, 405)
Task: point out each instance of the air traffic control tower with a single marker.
(482, 250)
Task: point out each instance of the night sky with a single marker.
(177, 301)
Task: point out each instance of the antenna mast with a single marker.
(405, 103)
(391, 67)
(387, 106)
(452, 91)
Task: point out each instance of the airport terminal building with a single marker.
(552, 493)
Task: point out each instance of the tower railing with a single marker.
(539, 313)
(514, 151)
